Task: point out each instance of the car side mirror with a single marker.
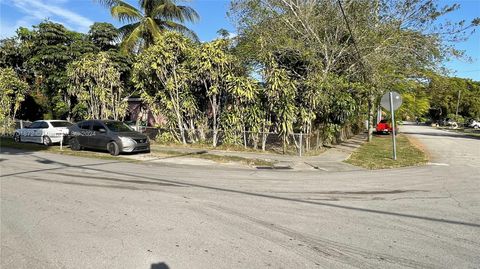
(102, 130)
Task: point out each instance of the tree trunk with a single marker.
(176, 102)
(244, 137)
(264, 140)
(371, 100)
(213, 103)
(180, 125)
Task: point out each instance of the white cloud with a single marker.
(37, 10)
(8, 29)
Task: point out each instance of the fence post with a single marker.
(301, 143)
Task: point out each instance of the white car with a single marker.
(45, 132)
(474, 124)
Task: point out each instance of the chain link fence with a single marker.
(295, 144)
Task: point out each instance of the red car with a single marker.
(383, 127)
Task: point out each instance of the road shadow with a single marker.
(21, 148)
(262, 195)
(160, 265)
(274, 167)
(443, 134)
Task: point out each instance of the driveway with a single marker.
(67, 212)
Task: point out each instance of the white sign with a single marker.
(396, 98)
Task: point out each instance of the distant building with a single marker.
(137, 110)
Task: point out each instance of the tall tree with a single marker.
(162, 74)
(281, 91)
(96, 84)
(51, 48)
(12, 93)
(103, 35)
(147, 22)
(212, 64)
(385, 41)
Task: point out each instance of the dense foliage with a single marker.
(40, 57)
(150, 20)
(385, 45)
(12, 93)
(295, 67)
(96, 83)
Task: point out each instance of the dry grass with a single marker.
(8, 142)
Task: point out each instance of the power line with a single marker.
(353, 38)
(467, 71)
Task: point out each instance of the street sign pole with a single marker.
(393, 127)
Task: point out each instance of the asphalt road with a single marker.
(68, 212)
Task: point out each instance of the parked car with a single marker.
(114, 136)
(383, 127)
(45, 132)
(448, 122)
(474, 124)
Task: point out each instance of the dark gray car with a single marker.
(113, 136)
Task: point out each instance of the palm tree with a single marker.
(148, 22)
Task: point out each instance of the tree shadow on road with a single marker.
(268, 196)
(443, 134)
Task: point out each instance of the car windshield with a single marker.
(60, 123)
(117, 126)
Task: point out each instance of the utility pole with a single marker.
(458, 104)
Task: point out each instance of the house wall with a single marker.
(138, 111)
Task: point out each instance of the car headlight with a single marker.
(128, 144)
(127, 141)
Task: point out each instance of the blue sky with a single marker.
(78, 15)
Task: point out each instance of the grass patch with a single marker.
(213, 157)
(8, 142)
(378, 154)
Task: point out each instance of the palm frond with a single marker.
(125, 14)
(108, 3)
(152, 27)
(128, 28)
(173, 26)
(149, 5)
(189, 14)
(132, 38)
(170, 11)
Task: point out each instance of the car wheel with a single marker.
(74, 144)
(47, 141)
(17, 138)
(113, 148)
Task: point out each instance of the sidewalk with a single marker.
(331, 160)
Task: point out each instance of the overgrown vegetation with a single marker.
(12, 93)
(378, 154)
(295, 67)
